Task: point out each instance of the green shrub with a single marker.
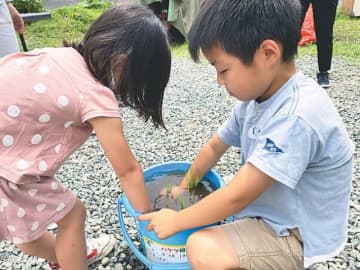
(27, 6)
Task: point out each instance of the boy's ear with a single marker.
(271, 51)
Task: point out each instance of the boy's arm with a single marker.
(248, 184)
(110, 134)
(207, 157)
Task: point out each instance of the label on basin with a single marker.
(161, 253)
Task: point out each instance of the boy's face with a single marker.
(244, 82)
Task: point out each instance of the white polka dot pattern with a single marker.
(3, 203)
(57, 148)
(8, 140)
(40, 207)
(22, 165)
(17, 240)
(35, 226)
(36, 139)
(43, 166)
(11, 228)
(39, 128)
(40, 88)
(26, 216)
(32, 192)
(63, 101)
(44, 118)
(21, 212)
(68, 124)
(13, 111)
(60, 207)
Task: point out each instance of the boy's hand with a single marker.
(162, 222)
(175, 192)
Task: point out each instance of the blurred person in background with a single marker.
(324, 17)
(10, 23)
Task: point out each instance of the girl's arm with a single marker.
(248, 184)
(109, 131)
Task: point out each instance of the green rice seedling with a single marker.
(182, 202)
(169, 188)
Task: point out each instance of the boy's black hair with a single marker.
(240, 26)
(127, 50)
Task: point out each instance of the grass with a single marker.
(71, 22)
(66, 23)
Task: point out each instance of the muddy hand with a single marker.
(175, 192)
(163, 223)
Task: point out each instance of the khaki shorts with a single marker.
(259, 248)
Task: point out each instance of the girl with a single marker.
(52, 99)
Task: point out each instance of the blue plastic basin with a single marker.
(168, 253)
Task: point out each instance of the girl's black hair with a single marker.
(240, 26)
(127, 50)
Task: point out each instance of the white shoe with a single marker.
(97, 249)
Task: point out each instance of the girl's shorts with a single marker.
(258, 247)
(26, 210)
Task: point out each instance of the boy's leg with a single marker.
(69, 246)
(243, 244)
(211, 249)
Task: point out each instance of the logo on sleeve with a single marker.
(272, 147)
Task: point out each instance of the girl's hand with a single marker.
(162, 222)
(175, 192)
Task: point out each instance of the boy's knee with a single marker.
(196, 254)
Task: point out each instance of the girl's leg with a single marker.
(211, 249)
(70, 239)
(43, 247)
(69, 247)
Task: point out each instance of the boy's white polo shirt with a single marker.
(298, 138)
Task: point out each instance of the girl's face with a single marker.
(244, 82)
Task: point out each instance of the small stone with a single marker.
(118, 266)
(105, 261)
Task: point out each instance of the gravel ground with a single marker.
(194, 107)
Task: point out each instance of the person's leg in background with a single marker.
(324, 18)
(8, 41)
(305, 5)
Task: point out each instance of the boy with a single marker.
(291, 195)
